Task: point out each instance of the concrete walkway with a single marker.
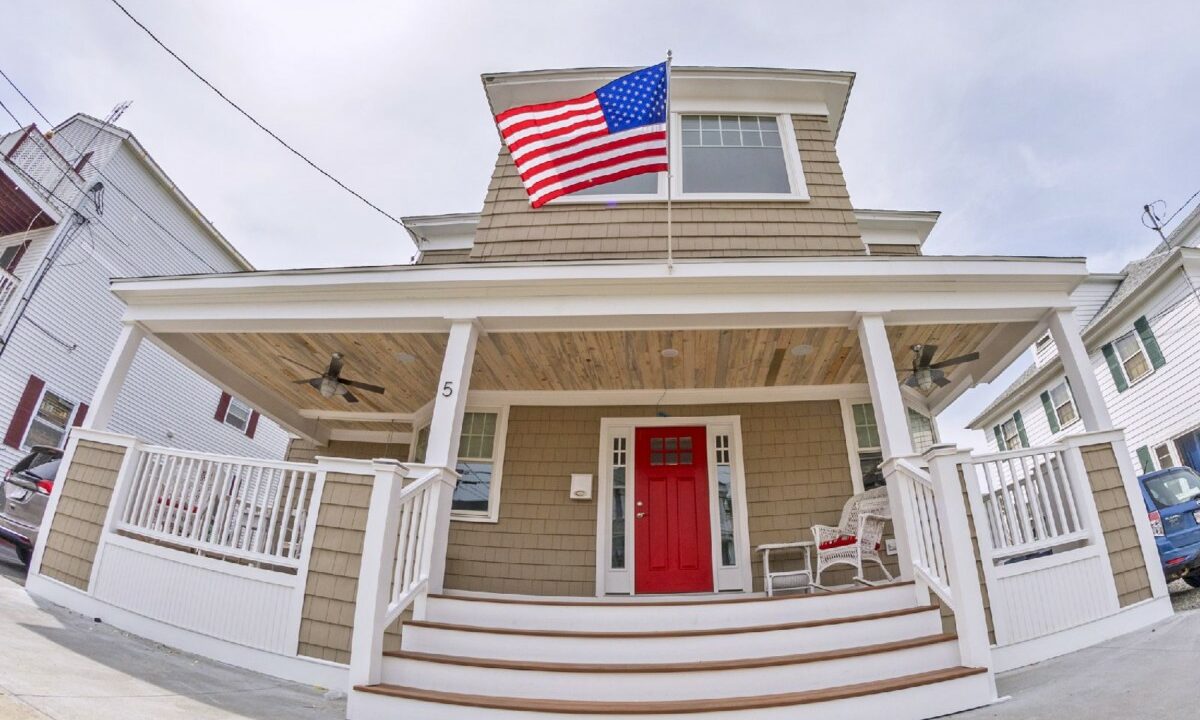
(55, 664)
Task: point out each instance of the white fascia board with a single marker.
(772, 89)
(454, 231)
(895, 227)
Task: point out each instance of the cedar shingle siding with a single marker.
(825, 225)
(79, 519)
(327, 620)
(1116, 520)
(300, 450)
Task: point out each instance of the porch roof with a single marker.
(590, 327)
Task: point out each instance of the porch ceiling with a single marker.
(408, 364)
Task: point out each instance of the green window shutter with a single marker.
(1143, 454)
(1114, 367)
(1021, 429)
(1051, 416)
(999, 438)
(1152, 349)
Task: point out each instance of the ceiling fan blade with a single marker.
(306, 381)
(362, 385)
(941, 381)
(911, 381)
(299, 364)
(926, 356)
(350, 397)
(955, 361)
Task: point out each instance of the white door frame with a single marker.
(736, 578)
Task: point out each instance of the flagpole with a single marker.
(670, 169)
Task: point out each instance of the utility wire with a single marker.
(109, 182)
(252, 119)
(1181, 207)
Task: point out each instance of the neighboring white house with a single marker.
(85, 205)
(1142, 331)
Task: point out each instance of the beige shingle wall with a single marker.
(983, 588)
(300, 450)
(327, 619)
(1116, 520)
(824, 225)
(79, 517)
(797, 474)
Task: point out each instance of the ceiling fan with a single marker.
(926, 373)
(330, 383)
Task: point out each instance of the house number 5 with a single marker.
(448, 389)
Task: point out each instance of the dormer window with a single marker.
(732, 154)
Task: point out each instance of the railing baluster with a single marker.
(1046, 506)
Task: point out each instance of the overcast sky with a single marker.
(1037, 128)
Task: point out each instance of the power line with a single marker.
(252, 119)
(108, 180)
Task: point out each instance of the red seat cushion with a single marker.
(839, 541)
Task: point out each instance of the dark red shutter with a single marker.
(80, 415)
(24, 412)
(252, 425)
(222, 407)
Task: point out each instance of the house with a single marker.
(538, 473)
(1139, 331)
(80, 205)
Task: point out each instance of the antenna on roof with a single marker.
(117, 111)
(1155, 223)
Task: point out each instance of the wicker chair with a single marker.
(858, 537)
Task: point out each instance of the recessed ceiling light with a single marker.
(405, 358)
(801, 350)
(670, 352)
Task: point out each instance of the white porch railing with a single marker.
(1029, 499)
(252, 510)
(8, 290)
(938, 537)
(403, 556)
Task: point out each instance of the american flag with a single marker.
(615, 132)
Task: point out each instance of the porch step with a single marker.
(905, 697)
(671, 613)
(657, 646)
(768, 675)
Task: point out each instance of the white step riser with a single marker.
(671, 649)
(618, 617)
(670, 686)
(917, 703)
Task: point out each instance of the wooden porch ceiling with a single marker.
(408, 365)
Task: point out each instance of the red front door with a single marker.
(672, 540)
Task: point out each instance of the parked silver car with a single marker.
(25, 490)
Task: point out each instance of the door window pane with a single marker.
(617, 540)
(732, 154)
(725, 501)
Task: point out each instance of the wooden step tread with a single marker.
(659, 707)
(655, 603)
(700, 666)
(673, 633)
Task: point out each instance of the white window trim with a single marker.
(1170, 446)
(1070, 399)
(33, 417)
(851, 433)
(1137, 337)
(498, 447)
(738, 578)
(791, 158)
(249, 414)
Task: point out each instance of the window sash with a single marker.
(1162, 453)
(1133, 357)
(50, 420)
(1012, 435)
(237, 414)
(1064, 404)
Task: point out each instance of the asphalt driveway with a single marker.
(56, 664)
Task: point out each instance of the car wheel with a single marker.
(24, 555)
(1192, 579)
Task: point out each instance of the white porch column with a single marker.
(890, 415)
(446, 427)
(113, 378)
(1085, 389)
(892, 422)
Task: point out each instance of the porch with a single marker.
(463, 477)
